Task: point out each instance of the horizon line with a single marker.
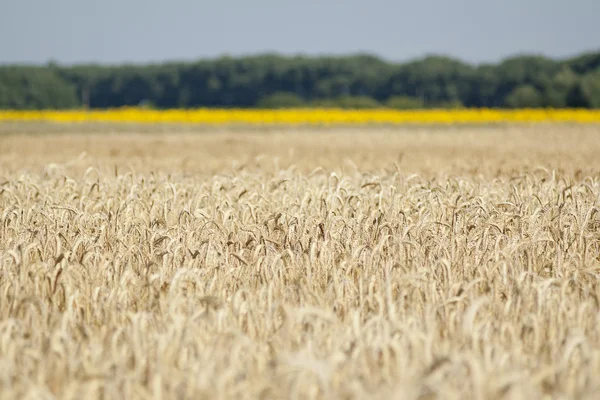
(298, 55)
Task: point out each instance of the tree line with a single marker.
(273, 81)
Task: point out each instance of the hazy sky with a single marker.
(115, 31)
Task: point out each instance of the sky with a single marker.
(139, 31)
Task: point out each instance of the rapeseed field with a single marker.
(307, 116)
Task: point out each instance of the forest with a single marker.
(275, 81)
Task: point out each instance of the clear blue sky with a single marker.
(116, 31)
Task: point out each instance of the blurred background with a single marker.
(278, 54)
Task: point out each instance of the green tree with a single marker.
(433, 79)
(584, 63)
(524, 96)
(35, 88)
(556, 92)
(590, 88)
(534, 73)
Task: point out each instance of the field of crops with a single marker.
(301, 263)
(307, 116)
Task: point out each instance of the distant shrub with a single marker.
(449, 105)
(524, 96)
(350, 102)
(404, 103)
(282, 100)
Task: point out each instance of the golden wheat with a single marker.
(409, 264)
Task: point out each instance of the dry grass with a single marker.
(425, 263)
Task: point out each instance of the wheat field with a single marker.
(287, 263)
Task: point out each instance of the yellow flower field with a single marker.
(306, 116)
